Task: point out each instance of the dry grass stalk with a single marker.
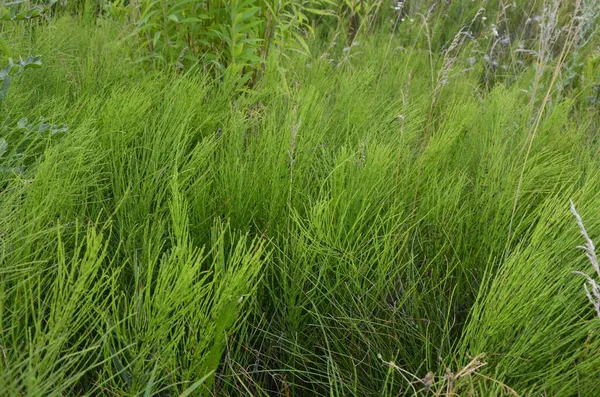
(450, 384)
(592, 289)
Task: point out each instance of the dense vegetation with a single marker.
(299, 198)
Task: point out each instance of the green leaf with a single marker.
(302, 43)
(156, 38)
(249, 26)
(196, 384)
(34, 12)
(248, 13)
(4, 87)
(148, 392)
(4, 14)
(31, 62)
(21, 16)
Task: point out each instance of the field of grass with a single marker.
(368, 209)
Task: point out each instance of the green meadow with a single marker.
(299, 198)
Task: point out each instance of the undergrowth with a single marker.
(383, 213)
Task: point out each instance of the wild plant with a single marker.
(376, 221)
(241, 33)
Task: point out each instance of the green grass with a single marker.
(376, 220)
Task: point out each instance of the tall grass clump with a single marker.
(382, 212)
